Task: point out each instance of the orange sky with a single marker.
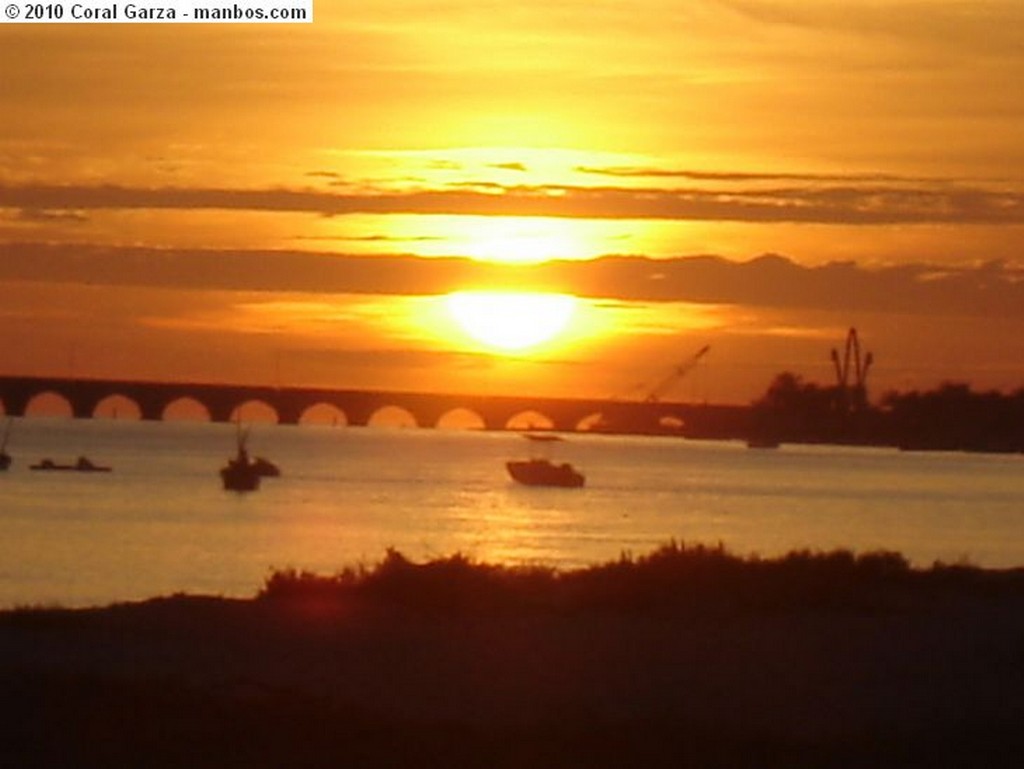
(231, 202)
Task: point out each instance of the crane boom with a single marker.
(677, 373)
(852, 354)
(852, 395)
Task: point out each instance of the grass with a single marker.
(674, 578)
(685, 656)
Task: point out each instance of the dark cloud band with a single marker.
(994, 289)
(849, 204)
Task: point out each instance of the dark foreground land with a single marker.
(685, 657)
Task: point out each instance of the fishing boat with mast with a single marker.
(241, 473)
(5, 458)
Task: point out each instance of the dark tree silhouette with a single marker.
(954, 417)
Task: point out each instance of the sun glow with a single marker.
(521, 240)
(511, 320)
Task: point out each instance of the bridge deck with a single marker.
(223, 401)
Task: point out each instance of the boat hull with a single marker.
(537, 472)
(48, 465)
(240, 478)
(265, 468)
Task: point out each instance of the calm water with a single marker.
(160, 523)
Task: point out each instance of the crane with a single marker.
(677, 373)
(856, 388)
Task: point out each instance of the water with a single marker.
(160, 523)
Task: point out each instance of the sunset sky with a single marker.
(297, 203)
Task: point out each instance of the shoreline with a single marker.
(684, 655)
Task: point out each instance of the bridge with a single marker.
(224, 402)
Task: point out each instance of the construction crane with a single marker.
(852, 394)
(677, 373)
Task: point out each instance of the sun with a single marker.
(508, 320)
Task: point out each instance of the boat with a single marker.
(265, 468)
(5, 458)
(541, 471)
(81, 465)
(241, 473)
(762, 442)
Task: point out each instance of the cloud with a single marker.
(50, 216)
(509, 166)
(404, 357)
(994, 289)
(378, 238)
(952, 27)
(851, 204)
(754, 176)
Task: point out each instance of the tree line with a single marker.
(951, 417)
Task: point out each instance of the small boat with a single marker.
(5, 458)
(543, 472)
(265, 468)
(242, 473)
(239, 474)
(762, 442)
(540, 471)
(81, 465)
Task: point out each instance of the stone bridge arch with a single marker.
(57, 400)
(392, 412)
(323, 412)
(117, 406)
(221, 400)
(184, 407)
(255, 410)
(460, 418)
(529, 419)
